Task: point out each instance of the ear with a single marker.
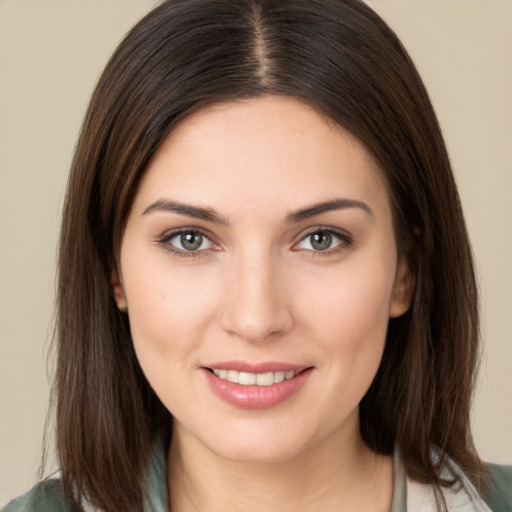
(117, 287)
(403, 288)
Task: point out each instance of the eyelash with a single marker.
(165, 242)
(345, 241)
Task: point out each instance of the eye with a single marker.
(187, 241)
(324, 240)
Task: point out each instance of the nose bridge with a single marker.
(256, 307)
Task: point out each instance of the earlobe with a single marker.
(402, 289)
(117, 287)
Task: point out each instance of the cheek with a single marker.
(349, 320)
(168, 310)
(354, 308)
(352, 325)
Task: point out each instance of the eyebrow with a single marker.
(209, 214)
(327, 206)
(197, 212)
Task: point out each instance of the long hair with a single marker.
(340, 58)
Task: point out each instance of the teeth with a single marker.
(250, 379)
(247, 379)
(265, 379)
(233, 376)
(279, 377)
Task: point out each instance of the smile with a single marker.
(251, 379)
(267, 385)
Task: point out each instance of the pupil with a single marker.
(321, 241)
(191, 241)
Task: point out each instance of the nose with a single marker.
(256, 307)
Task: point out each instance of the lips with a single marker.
(259, 386)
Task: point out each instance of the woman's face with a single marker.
(260, 269)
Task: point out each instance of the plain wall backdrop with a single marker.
(51, 54)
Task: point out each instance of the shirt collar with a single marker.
(406, 493)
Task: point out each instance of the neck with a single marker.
(335, 475)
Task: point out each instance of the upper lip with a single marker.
(262, 367)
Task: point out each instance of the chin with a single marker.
(260, 444)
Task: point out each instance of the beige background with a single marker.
(51, 53)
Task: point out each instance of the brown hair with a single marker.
(341, 58)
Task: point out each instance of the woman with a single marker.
(266, 293)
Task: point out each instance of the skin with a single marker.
(258, 290)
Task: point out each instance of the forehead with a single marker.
(273, 151)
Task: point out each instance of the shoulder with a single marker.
(46, 496)
(499, 489)
(462, 496)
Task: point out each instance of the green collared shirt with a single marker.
(47, 496)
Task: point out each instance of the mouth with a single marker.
(267, 385)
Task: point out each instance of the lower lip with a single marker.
(256, 397)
